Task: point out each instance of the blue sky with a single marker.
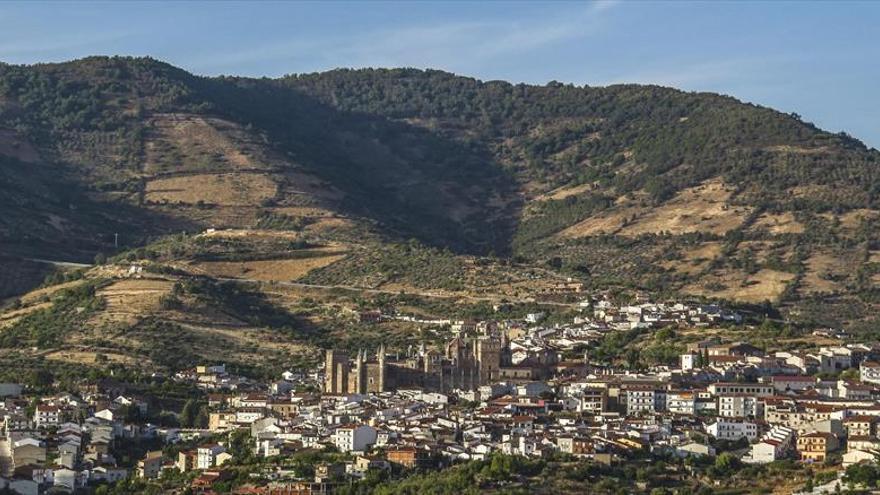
(819, 59)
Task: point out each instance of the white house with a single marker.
(645, 399)
(519, 445)
(532, 389)
(772, 446)
(46, 415)
(739, 406)
(206, 455)
(833, 359)
(869, 371)
(247, 415)
(354, 437)
(65, 478)
(109, 474)
(105, 414)
(534, 317)
(694, 449)
(758, 389)
(856, 456)
(733, 429)
(797, 383)
(687, 361)
(681, 402)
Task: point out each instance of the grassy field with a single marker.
(823, 270)
(705, 208)
(191, 142)
(129, 299)
(226, 189)
(147, 322)
(765, 285)
(266, 270)
(695, 260)
(781, 223)
(564, 192)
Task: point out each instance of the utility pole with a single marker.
(116, 240)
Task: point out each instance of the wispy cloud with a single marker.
(19, 50)
(700, 75)
(460, 46)
(752, 79)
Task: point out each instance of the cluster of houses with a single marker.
(65, 441)
(769, 412)
(722, 394)
(597, 317)
(763, 406)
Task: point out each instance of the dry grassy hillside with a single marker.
(634, 187)
(146, 321)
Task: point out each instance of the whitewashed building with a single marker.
(733, 429)
(358, 438)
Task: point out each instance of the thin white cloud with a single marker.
(703, 75)
(22, 50)
(460, 46)
(602, 5)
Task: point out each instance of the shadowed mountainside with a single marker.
(639, 186)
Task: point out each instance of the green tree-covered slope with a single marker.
(633, 185)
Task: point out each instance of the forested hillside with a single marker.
(635, 186)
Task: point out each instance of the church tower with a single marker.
(336, 371)
(488, 352)
(506, 354)
(382, 370)
(360, 371)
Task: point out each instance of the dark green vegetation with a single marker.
(172, 347)
(248, 306)
(691, 192)
(864, 476)
(667, 476)
(48, 327)
(47, 212)
(678, 139)
(638, 472)
(18, 276)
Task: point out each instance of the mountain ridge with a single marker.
(634, 185)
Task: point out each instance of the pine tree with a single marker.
(189, 413)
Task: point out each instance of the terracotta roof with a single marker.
(863, 438)
(794, 378)
(818, 434)
(860, 418)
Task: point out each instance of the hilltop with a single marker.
(403, 179)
